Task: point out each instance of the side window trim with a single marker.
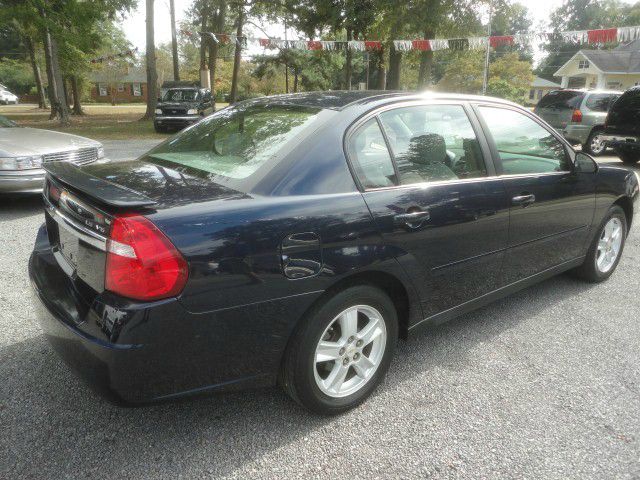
(569, 152)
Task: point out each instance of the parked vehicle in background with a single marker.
(622, 129)
(24, 152)
(292, 240)
(7, 98)
(579, 115)
(180, 105)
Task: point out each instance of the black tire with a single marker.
(588, 147)
(628, 156)
(588, 270)
(297, 375)
(159, 128)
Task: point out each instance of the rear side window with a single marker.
(600, 102)
(433, 143)
(561, 100)
(370, 157)
(523, 145)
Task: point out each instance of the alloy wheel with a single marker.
(596, 145)
(609, 245)
(350, 351)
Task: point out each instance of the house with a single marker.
(538, 89)
(122, 84)
(616, 69)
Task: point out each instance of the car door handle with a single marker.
(413, 219)
(524, 200)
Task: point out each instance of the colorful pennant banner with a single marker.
(599, 36)
(107, 58)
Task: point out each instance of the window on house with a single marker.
(121, 87)
(540, 93)
(532, 94)
(102, 90)
(583, 64)
(136, 89)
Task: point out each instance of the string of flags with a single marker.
(596, 37)
(107, 58)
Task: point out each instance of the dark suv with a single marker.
(622, 128)
(579, 115)
(181, 106)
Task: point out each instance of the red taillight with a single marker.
(577, 116)
(141, 262)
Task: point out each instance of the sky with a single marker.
(134, 24)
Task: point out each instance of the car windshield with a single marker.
(561, 100)
(181, 95)
(6, 123)
(233, 144)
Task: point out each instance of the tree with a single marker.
(150, 59)
(509, 76)
(174, 41)
(238, 53)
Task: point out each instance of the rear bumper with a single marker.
(134, 353)
(31, 182)
(614, 141)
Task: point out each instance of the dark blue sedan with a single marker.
(293, 239)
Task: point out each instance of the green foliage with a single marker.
(509, 77)
(16, 75)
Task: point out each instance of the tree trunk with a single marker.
(52, 91)
(62, 107)
(75, 91)
(174, 41)
(382, 74)
(426, 64)
(395, 62)
(152, 74)
(348, 61)
(219, 23)
(238, 55)
(295, 80)
(42, 102)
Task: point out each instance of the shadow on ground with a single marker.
(43, 405)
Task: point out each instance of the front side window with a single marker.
(523, 145)
(370, 157)
(433, 143)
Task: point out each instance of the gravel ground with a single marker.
(544, 384)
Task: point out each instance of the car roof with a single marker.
(342, 99)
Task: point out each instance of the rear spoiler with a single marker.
(97, 188)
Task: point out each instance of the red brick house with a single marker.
(116, 86)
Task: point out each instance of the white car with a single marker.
(6, 97)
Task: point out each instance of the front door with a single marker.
(551, 205)
(426, 182)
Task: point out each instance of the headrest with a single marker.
(428, 148)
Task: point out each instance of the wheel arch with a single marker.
(626, 204)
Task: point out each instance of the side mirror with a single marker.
(585, 164)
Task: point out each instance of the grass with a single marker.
(100, 122)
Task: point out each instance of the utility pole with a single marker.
(174, 42)
(286, 65)
(485, 80)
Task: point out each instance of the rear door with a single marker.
(557, 107)
(551, 205)
(595, 107)
(425, 176)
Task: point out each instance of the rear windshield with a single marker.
(561, 99)
(600, 102)
(181, 95)
(233, 144)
